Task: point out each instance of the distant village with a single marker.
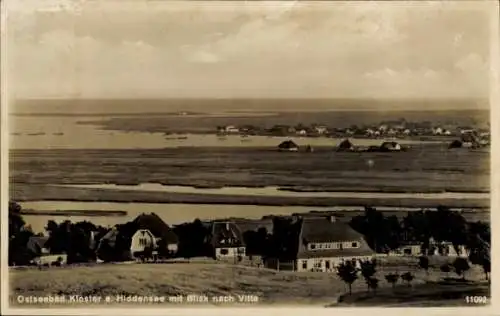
(458, 136)
(399, 128)
(315, 241)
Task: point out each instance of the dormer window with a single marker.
(312, 246)
(355, 244)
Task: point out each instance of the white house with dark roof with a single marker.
(324, 243)
(227, 241)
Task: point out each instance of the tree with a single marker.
(461, 265)
(407, 277)
(445, 268)
(348, 273)
(368, 270)
(423, 263)
(392, 278)
(372, 284)
(18, 253)
(486, 265)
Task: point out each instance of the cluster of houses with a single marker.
(398, 129)
(323, 242)
(346, 146)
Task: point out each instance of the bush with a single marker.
(445, 268)
(392, 278)
(461, 265)
(407, 277)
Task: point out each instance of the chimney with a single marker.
(227, 225)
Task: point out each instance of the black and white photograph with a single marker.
(244, 154)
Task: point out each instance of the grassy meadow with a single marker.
(272, 287)
(425, 168)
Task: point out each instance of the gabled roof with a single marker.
(389, 144)
(226, 230)
(36, 244)
(288, 144)
(156, 226)
(345, 144)
(254, 224)
(322, 230)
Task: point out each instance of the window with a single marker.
(312, 246)
(317, 264)
(304, 264)
(224, 251)
(327, 264)
(354, 245)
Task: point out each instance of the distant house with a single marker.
(390, 146)
(227, 241)
(288, 145)
(410, 249)
(456, 144)
(301, 132)
(370, 132)
(38, 248)
(324, 243)
(321, 130)
(437, 131)
(391, 132)
(447, 132)
(231, 129)
(345, 145)
(382, 128)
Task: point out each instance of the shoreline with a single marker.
(163, 186)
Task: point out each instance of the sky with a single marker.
(150, 49)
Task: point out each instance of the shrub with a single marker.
(407, 277)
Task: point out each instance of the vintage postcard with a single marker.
(178, 157)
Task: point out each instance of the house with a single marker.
(142, 242)
(409, 249)
(456, 144)
(324, 243)
(165, 239)
(437, 131)
(407, 132)
(370, 132)
(390, 146)
(227, 241)
(146, 232)
(321, 129)
(446, 248)
(392, 132)
(231, 129)
(288, 145)
(38, 248)
(345, 145)
(382, 128)
(301, 132)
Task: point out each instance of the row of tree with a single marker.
(349, 273)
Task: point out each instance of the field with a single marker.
(422, 169)
(272, 287)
